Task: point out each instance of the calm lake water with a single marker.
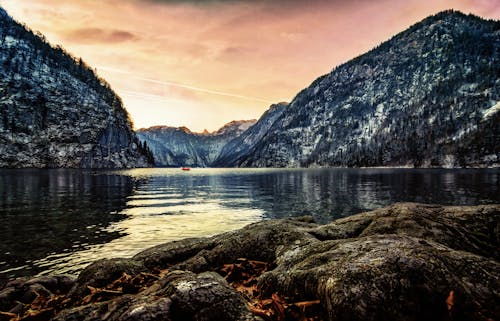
(58, 221)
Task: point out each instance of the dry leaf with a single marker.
(450, 300)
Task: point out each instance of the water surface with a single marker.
(58, 221)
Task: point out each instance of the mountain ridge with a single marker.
(414, 100)
(179, 146)
(55, 111)
(243, 144)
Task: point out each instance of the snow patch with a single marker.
(449, 161)
(491, 111)
(379, 111)
(468, 88)
(490, 158)
(10, 41)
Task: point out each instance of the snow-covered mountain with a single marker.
(54, 110)
(178, 146)
(430, 96)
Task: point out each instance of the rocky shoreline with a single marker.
(404, 262)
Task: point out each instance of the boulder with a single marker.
(179, 296)
(403, 262)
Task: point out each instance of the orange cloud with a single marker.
(99, 36)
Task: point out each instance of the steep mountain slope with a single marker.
(172, 146)
(427, 97)
(241, 146)
(54, 110)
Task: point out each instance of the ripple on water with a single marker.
(58, 221)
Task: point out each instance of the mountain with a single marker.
(55, 111)
(430, 96)
(174, 147)
(242, 146)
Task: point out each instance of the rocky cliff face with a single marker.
(430, 96)
(54, 110)
(243, 145)
(172, 146)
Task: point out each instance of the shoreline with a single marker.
(406, 261)
(495, 166)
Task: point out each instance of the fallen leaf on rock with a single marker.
(278, 306)
(264, 314)
(99, 295)
(243, 275)
(38, 315)
(450, 300)
(8, 316)
(43, 308)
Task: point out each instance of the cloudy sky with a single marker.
(203, 63)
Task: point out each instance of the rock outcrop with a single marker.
(430, 96)
(404, 262)
(55, 111)
(178, 146)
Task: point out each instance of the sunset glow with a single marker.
(202, 64)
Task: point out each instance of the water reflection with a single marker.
(57, 211)
(59, 221)
(327, 194)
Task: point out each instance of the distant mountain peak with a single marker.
(448, 14)
(185, 130)
(235, 126)
(180, 146)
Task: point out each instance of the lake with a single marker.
(59, 221)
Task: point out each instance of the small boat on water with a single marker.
(185, 168)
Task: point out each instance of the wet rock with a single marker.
(388, 277)
(259, 241)
(17, 309)
(403, 262)
(399, 262)
(124, 308)
(467, 228)
(33, 291)
(102, 272)
(7, 298)
(57, 283)
(204, 297)
(171, 253)
(178, 296)
(26, 290)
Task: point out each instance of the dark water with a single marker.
(58, 221)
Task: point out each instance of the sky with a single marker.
(203, 63)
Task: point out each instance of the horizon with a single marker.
(177, 73)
